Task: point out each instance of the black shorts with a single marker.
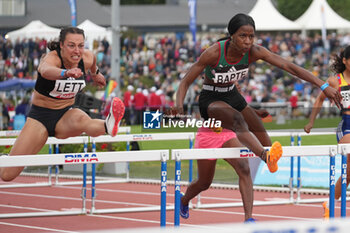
(47, 117)
(233, 98)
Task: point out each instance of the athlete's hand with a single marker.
(308, 127)
(99, 80)
(239, 88)
(262, 112)
(73, 73)
(173, 111)
(333, 95)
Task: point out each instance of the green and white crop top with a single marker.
(224, 72)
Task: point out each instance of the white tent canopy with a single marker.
(35, 29)
(267, 18)
(312, 19)
(93, 32)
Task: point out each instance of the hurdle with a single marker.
(221, 153)
(125, 129)
(127, 138)
(140, 137)
(50, 141)
(299, 180)
(298, 190)
(98, 157)
(135, 137)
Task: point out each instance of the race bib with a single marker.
(346, 98)
(67, 89)
(230, 76)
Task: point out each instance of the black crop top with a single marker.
(64, 88)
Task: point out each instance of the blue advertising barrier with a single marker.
(314, 172)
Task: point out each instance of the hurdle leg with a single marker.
(177, 189)
(331, 182)
(343, 182)
(190, 165)
(299, 179)
(50, 167)
(93, 179)
(56, 167)
(83, 188)
(190, 168)
(299, 172)
(128, 163)
(291, 178)
(163, 188)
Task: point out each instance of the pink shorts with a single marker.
(207, 138)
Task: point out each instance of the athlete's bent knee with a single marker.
(243, 170)
(6, 176)
(239, 123)
(204, 185)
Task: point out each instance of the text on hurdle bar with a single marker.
(82, 158)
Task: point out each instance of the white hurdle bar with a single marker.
(222, 153)
(87, 158)
(128, 138)
(134, 137)
(50, 141)
(125, 129)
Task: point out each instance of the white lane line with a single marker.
(254, 214)
(151, 193)
(320, 206)
(38, 228)
(24, 207)
(74, 199)
(156, 222)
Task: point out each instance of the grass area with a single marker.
(331, 122)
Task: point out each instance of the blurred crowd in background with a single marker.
(153, 65)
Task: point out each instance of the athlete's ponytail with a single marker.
(338, 66)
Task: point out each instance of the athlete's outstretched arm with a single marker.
(96, 75)
(318, 105)
(259, 52)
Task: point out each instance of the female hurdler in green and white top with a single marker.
(224, 63)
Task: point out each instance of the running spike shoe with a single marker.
(326, 210)
(184, 211)
(115, 115)
(273, 156)
(250, 220)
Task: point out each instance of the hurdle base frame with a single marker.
(43, 214)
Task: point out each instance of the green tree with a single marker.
(342, 7)
(292, 9)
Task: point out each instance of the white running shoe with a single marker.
(115, 115)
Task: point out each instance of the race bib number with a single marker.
(230, 76)
(66, 89)
(346, 98)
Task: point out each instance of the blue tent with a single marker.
(16, 84)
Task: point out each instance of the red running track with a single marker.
(125, 195)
